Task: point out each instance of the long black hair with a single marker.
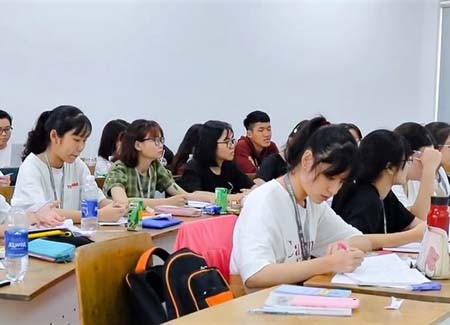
(378, 150)
(330, 144)
(211, 131)
(110, 134)
(186, 147)
(62, 119)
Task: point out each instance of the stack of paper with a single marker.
(383, 270)
(288, 299)
(408, 248)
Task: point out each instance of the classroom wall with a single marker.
(372, 62)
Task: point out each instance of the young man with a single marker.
(5, 135)
(256, 145)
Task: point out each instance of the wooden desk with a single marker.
(371, 311)
(433, 296)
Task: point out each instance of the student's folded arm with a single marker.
(119, 195)
(397, 239)
(242, 157)
(75, 215)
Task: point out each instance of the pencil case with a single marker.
(51, 251)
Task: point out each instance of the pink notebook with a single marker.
(178, 211)
(325, 302)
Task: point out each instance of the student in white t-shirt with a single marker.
(425, 176)
(52, 169)
(286, 221)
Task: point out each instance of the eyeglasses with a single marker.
(444, 146)
(157, 140)
(6, 130)
(230, 143)
(409, 160)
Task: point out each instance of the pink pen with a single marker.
(342, 245)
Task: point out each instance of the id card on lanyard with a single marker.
(139, 184)
(302, 235)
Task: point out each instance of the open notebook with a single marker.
(386, 270)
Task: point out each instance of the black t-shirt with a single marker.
(272, 167)
(198, 178)
(364, 210)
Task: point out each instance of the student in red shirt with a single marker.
(256, 145)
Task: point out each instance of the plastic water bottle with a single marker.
(89, 206)
(16, 245)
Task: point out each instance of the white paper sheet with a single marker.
(383, 270)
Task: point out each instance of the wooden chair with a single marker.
(7, 192)
(100, 181)
(100, 272)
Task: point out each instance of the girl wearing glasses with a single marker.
(139, 172)
(425, 178)
(52, 169)
(368, 203)
(213, 164)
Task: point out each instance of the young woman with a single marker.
(441, 134)
(425, 178)
(213, 164)
(185, 150)
(110, 144)
(369, 204)
(139, 173)
(52, 169)
(286, 221)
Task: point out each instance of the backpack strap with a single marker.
(143, 261)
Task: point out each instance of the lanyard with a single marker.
(139, 184)
(52, 182)
(306, 254)
(384, 218)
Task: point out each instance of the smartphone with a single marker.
(325, 302)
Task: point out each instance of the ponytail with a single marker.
(62, 119)
(37, 140)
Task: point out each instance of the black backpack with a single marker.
(182, 285)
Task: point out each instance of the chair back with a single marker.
(212, 238)
(100, 272)
(7, 192)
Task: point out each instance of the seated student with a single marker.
(441, 135)
(185, 150)
(213, 164)
(275, 165)
(5, 135)
(354, 131)
(110, 143)
(369, 204)
(422, 176)
(52, 169)
(139, 172)
(256, 145)
(286, 221)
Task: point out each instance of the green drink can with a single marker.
(135, 209)
(222, 198)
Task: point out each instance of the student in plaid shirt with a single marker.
(139, 172)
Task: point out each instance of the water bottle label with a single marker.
(89, 208)
(16, 243)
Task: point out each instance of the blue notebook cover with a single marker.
(160, 222)
(50, 250)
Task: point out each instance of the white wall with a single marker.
(371, 62)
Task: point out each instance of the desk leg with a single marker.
(56, 305)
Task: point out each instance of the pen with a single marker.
(342, 246)
(9, 174)
(272, 311)
(427, 286)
